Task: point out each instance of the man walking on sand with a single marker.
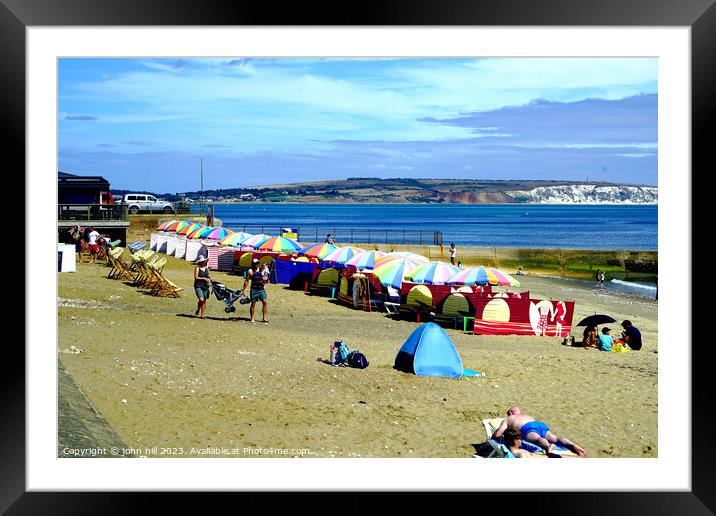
(535, 432)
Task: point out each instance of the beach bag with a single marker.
(618, 347)
(357, 359)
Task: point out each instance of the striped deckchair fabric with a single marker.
(162, 286)
(142, 260)
(120, 268)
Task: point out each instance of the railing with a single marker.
(182, 207)
(90, 212)
(354, 235)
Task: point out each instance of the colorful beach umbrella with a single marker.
(365, 260)
(483, 276)
(392, 272)
(188, 229)
(256, 240)
(235, 239)
(164, 225)
(343, 254)
(408, 254)
(415, 259)
(200, 232)
(318, 250)
(176, 226)
(432, 273)
(218, 234)
(280, 244)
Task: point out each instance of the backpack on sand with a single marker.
(357, 359)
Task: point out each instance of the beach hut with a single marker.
(221, 258)
(161, 246)
(180, 249)
(194, 248)
(171, 244)
(428, 351)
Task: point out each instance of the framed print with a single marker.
(151, 67)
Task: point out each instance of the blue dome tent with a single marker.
(428, 351)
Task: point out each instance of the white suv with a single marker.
(144, 202)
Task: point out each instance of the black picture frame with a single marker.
(17, 15)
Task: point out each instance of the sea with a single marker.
(606, 227)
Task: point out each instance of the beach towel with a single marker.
(491, 425)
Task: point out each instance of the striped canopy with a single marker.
(186, 230)
(164, 225)
(408, 254)
(415, 259)
(177, 225)
(392, 272)
(483, 276)
(318, 250)
(256, 240)
(235, 239)
(218, 234)
(432, 273)
(201, 232)
(365, 260)
(280, 244)
(343, 254)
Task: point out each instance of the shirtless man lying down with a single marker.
(535, 432)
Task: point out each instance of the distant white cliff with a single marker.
(588, 194)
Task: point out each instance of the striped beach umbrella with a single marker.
(218, 234)
(256, 240)
(408, 254)
(432, 273)
(343, 254)
(392, 272)
(483, 276)
(176, 226)
(235, 239)
(200, 233)
(365, 260)
(188, 229)
(164, 225)
(280, 244)
(318, 250)
(415, 259)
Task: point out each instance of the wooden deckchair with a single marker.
(120, 268)
(151, 268)
(162, 286)
(142, 262)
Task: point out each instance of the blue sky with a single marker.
(145, 124)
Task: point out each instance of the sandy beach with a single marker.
(169, 383)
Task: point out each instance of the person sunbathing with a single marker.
(535, 432)
(512, 438)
